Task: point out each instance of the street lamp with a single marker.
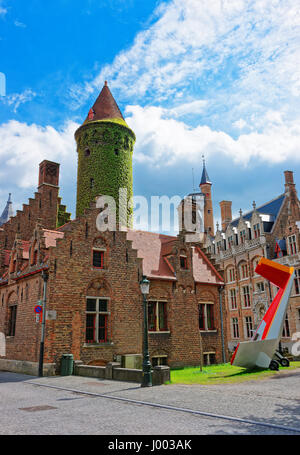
(147, 375)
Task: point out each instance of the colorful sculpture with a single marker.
(262, 348)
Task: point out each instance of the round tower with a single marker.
(105, 146)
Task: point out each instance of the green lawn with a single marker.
(222, 374)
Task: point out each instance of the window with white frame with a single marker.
(230, 275)
(232, 298)
(206, 316)
(235, 328)
(297, 281)
(248, 326)
(96, 320)
(246, 297)
(159, 360)
(157, 316)
(244, 272)
(292, 244)
(256, 229)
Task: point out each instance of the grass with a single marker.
(222, 374)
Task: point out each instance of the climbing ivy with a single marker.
(105, 150)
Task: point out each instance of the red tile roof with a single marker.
(153, 248)
(51, 237)
(105, 107)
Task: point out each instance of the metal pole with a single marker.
(221, 288)
(147, 375)
(45, 277)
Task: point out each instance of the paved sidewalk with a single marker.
(29, 408)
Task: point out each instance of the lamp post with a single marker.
(147, 375)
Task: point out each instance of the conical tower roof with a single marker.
(204, 177)
(7, 212)
(105, 108)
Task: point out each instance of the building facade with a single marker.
(91, 278)
(267, 231)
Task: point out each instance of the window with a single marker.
(235, 328)
(157, 317)
(96, 320)
(256, 229)
(230, 275)
(98, 259)
(246, 297)
(232, 296)
(12, 317)
(260, 286)
(209, 358)
(248, 326)
(230, 241)
(297, 281)
(286, 328)
(244, 271)
(183, 262)
(292, 244)
(219, 246)
(159, 360)
(255, 264)
(243, 236)
(206, 316)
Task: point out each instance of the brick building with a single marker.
(271, 231)
(94, 302)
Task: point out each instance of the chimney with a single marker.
(49, 173)
(226, 214)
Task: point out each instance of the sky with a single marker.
(193, 78)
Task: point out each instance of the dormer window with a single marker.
(256, 229)
(243, 236)
(230, 241)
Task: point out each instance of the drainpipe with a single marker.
(220, 289)
(45, 276)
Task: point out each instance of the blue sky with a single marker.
(213, 77)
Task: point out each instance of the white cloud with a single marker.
(24, 146)
(163, 141)
(243, 54)
(16, 99)
(3, 11)
(19, 24)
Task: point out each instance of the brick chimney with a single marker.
(226, 213)
(49, 173)
(291, 193)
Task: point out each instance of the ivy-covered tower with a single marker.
(105, 146)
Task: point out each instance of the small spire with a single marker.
(217, 224)
(241, 213)
(7, 212)
(105, 83)
(254, 205)
(204, 177)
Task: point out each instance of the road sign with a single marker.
(38, 309)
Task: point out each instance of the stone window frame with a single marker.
(97, 312)
(286, 331)
(12, 319)
(212, 317)
(208, 356)
(248, 326)
(235, 329)
(165, 311)
(162, 360)
(243, 270)
(231, 307)
(245, 299)
(292, 244)
(230, 269)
